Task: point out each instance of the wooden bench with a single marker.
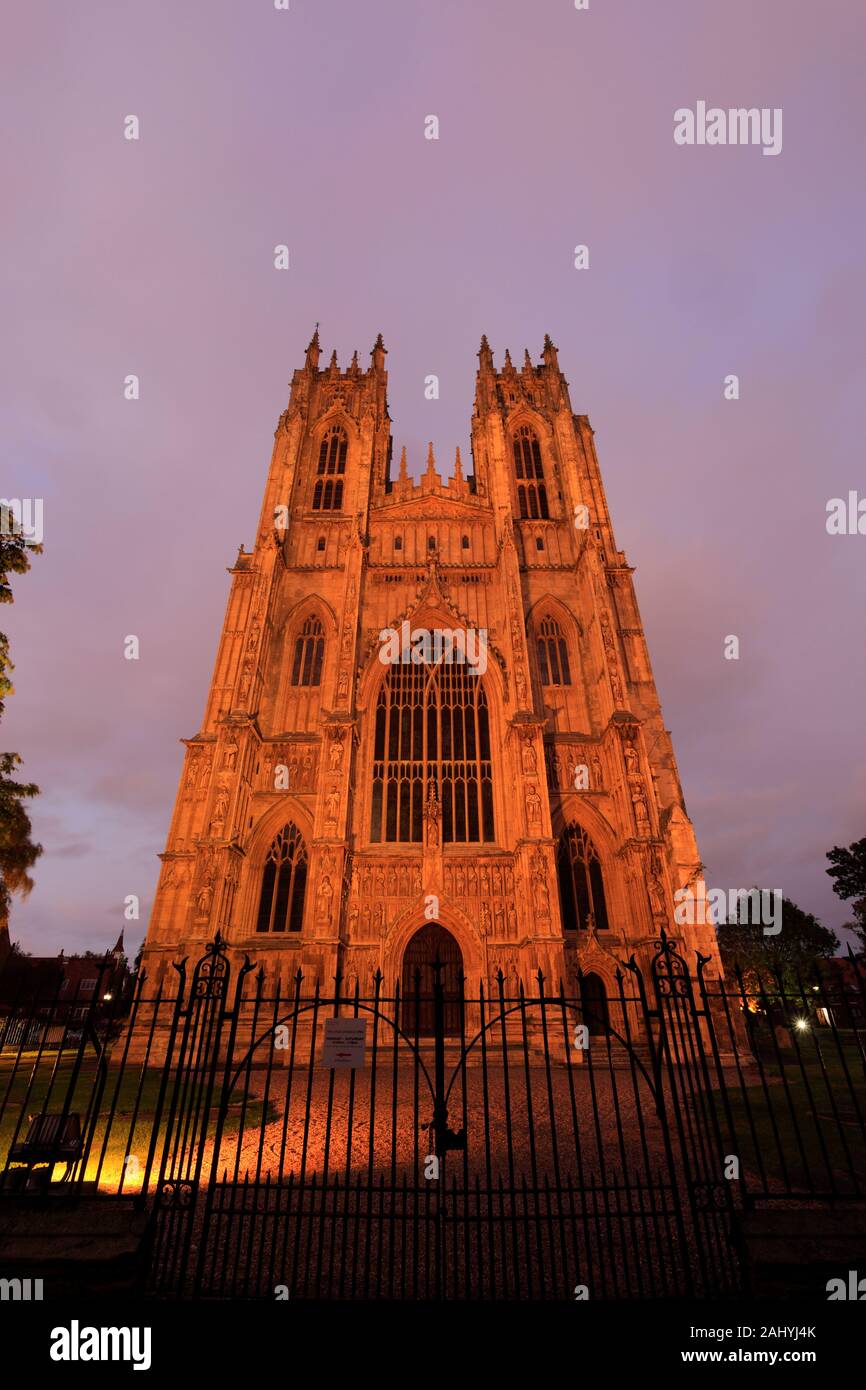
(50, 1139)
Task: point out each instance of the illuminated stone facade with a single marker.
(335, 804)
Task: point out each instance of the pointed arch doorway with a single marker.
(430, 942)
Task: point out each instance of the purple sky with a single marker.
(260, 127)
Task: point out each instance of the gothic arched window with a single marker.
(531, 492)
(581, 887)
(309, 654)
(284, 883)
(328, 492)
(552, 654)
(332, 452)
(432, 755)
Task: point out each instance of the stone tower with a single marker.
(342, 808)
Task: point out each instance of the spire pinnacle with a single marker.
(458, 467)
(431, 462)
(404, 472)
(313, 350)
(378, 354)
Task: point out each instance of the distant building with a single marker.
(66, 978)
(845, 984)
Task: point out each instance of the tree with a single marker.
(18, 853)
(791, 953)
(14, 559)
(849, 881)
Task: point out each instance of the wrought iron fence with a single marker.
(533, 1144)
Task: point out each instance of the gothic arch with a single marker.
(583, 892)
(546, 609)
(548, 508)
(311, 606)
(282, 655)
(336, 414)
(369, 686)
(453, 919)
(429, 616)
(284, 811)
(592, 958)
(523, 414)
(577, 807)
(554, 606)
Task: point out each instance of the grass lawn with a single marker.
(127, 1112)
(804, 1128)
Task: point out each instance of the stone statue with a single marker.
(640, 810)
(530, 762)
(204, 899)
(326, 893)
(540, 894)
(656, 894)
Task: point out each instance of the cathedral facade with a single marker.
(432, 726)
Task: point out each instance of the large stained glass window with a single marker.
(432, 753)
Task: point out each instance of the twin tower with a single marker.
(354, 803)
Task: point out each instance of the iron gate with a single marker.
(533, 1154)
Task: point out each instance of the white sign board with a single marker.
(345, 1040)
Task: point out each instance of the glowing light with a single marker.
(802, 1025)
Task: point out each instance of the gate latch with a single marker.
(446, 1139)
